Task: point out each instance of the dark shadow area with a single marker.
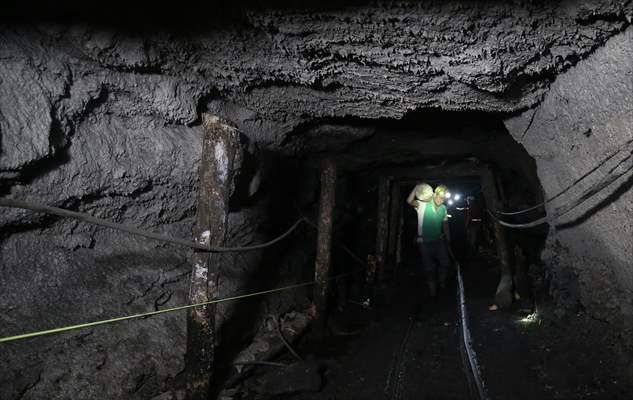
(427, 146)
(59, 145)
(145, 15)
(247, 183)
(286, 181)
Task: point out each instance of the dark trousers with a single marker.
(436, 263)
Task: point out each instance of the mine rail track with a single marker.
(469, 357)
(397, 370)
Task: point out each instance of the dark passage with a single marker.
(384, 352)
(394, 355)
(391, 339)
(393, 351)
(214, 201)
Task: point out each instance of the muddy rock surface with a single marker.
(105, 119)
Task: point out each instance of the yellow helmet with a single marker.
(441, 190)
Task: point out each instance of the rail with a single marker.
(466, 341)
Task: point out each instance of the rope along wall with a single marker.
(167, 310)
(29, 205)
(623, 167)
(96, 221)
(147, 314)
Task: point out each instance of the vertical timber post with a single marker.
(400, 235)
(503, 295)
(370, 276)
(394, 226)
(324, 241)
(219, 146)
(382, 225)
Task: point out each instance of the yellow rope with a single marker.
(151, 313)
(147, 314)
(93, 220)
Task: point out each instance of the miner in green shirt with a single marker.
(433, 234)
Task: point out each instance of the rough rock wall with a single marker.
(586, 116)
(276, 69)
(385, 60)
(380, 61)
(106, 121)
(57, 272)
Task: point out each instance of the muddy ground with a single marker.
(387, 351)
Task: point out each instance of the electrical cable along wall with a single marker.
(89, 219)
(623, 165)
(581, 136)
(105, 119)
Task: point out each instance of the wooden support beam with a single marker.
(219, 146)
(412, 175)
(504, 293)
(324, 241)
(400, 237)
(394, 225)
(370, 276)
(382, 225)
(521, 278)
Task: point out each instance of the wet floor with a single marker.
(402, 357)
(405, 347)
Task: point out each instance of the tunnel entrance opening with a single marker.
(104, 119)
(384, 332)
(378, 163)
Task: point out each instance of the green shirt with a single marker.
(430, 220)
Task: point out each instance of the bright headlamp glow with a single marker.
(447, 195)
(529, 319)
(457, 197)
(450, 202)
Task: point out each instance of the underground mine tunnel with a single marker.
(229, 201)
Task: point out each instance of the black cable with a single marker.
(262, 363)
(279, 328)
(623, 167)
(577, 181)
(14, 203)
